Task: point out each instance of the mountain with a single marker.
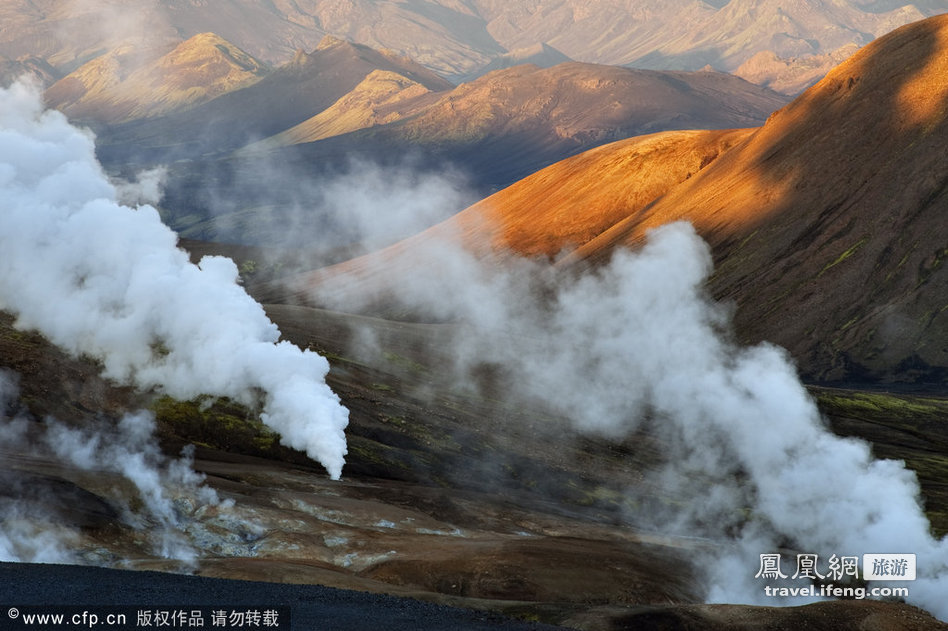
(827, 223)
(448, 37)
(509, 123)
(687, 34)
(379, 99)
(742, 28)
(283, 98)
(120, 85)
(582, 102)
(571, 103)
(457, 38)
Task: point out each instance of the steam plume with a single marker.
(105, 280)
(749, 459)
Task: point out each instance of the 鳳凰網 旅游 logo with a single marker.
(838, 577)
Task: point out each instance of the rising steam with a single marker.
(160, 501)
(106, 280)
(750, 462)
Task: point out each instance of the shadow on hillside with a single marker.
(828, 224)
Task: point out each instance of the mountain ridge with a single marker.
(458, 38)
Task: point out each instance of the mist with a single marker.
(637, 343)
(107, 281)
(323, 211)
(159, 496)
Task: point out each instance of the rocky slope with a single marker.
(448, 497)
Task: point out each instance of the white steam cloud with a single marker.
(129, 449)
(161, 501)
(750, 461)
(105, 280)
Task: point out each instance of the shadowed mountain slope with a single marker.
(13, 69)
(829, 223)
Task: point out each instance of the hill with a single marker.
(581, 102)
(570, 104)
(492, 131)
(122, 84)
(827, 223)
(582, 197)
(379, 99)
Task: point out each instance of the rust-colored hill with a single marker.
(570, 104)
(586, 194)
(827, 224)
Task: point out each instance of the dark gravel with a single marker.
(30, 588)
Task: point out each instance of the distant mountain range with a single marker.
(460, 39)
(219, 117)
